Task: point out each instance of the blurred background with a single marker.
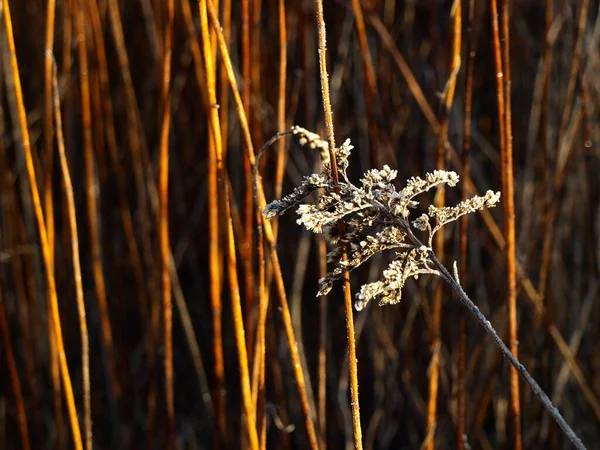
(389, 63)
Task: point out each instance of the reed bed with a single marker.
(147, 302)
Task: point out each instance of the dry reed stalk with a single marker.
(502, 61)
(54, 363)
(138, 148)
(260, 204)
(260, 353)
(224, 99)
(248, 407)
(51, 284)
(543, 133)
(249, 284)
(92, 202)
(464, 226)
(14, 376)
(436, 343)
(48, 146)
(390, 45)
(97, 113)
(137, 144)
(281, 122)
(372, 100)
(568, 112)
(152, 27)
(163, 222)
(70, 198)
(255, 88)
(353, 369)
(322, 389)
(113, 154)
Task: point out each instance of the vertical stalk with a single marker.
(448, 97)
(249, 285)
(68, 186)
(224, 99)
(163, 221)
(113, 154)
(502, 61)
(464, 226)
(48, 206)
(322, 389)
(281, 156)
(353, 370)
(371, 97)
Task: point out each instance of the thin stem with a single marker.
(464, 225)
(68, 186)
(356, 428)
(502, 62)
(520, 368)
(163, 224)
(509, 225)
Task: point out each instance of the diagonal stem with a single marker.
(486, 324)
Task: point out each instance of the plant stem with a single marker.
(356, 428)
(520, 368)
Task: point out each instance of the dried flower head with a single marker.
(375, 216)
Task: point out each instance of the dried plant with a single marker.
(376, 218)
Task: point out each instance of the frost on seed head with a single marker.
(375, 216)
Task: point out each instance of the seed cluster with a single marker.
(375, 216)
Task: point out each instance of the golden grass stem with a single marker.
(436, 342)
(163, 222)
(355, 407)
(372, 100)
(281, 123)
(502, 61)
(322, 384)
(249, 284)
